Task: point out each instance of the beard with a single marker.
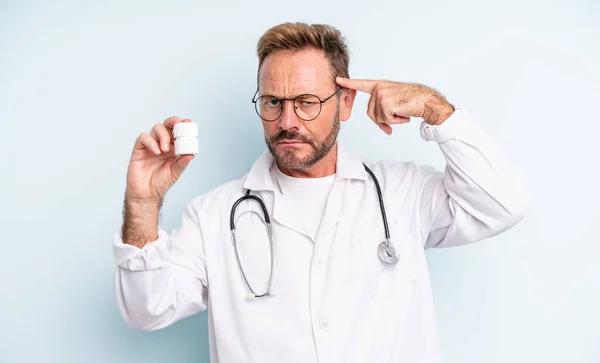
(288, 159)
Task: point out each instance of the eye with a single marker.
(270, 102)
(307, 101)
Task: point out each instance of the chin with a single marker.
(293, 159)
(292, 155)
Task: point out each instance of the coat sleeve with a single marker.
(166, 280)
(477, 196)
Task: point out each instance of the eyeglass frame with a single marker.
(292, 99)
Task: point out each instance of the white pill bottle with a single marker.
(186, 138)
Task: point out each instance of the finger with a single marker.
(388, 116)
(400, 119)
(147, 141)
(180, 164)
(382, 113)
(401, 113)
(170, 122)
(382, 119)
(377, 109)
(371, 109)
(159, 131)
(386, 128)
(363, 85)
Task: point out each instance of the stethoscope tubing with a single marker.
(384, 248)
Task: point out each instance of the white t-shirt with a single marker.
(309, 196)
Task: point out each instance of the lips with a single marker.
(291, 142)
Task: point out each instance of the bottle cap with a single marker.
(185, 129)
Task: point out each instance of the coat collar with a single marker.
(348, 166)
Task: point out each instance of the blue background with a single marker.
(79, 81)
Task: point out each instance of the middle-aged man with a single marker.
(322, 282)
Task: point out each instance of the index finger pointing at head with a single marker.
(364, 85)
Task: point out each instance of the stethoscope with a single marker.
(386, 251)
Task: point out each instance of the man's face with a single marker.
(296, 143)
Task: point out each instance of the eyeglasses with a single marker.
(307, 107)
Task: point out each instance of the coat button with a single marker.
(324, 324)
(318, 262)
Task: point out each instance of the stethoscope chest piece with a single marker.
(387, 253)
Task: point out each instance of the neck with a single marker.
(322, 168)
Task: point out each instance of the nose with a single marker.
(289, 119)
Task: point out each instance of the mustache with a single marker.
(290, 135)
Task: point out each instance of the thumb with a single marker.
(180, 164)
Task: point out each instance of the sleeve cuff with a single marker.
(152, 256)
(452, 128)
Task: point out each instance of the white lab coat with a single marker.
(335, 301)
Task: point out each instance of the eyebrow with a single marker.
(298, 94)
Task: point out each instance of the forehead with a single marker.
(288, 73)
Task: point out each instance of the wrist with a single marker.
(437, 110)
(140, 221)
(143, 204)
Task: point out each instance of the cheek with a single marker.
(270, 128)
(322, 125)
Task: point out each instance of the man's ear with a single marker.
(346, 103)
